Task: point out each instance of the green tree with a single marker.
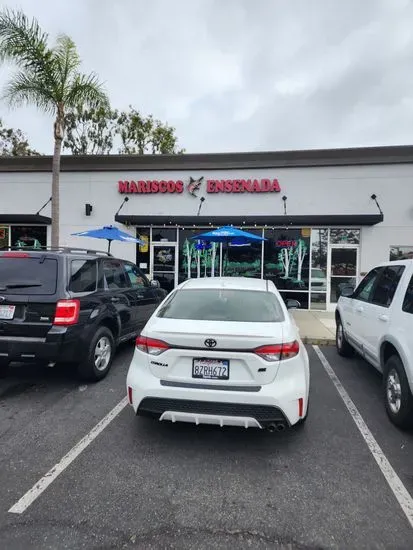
(105, 130)
(47, 77)
(13, 143)
(91, 131)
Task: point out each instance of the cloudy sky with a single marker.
(244, 75)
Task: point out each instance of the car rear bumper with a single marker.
(62, 344)
(271, 404)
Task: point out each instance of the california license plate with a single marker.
(210, 369)
(7, 312)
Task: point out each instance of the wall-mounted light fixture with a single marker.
(44, 206)
(201, 202)
(285, 204)
(88, 209)
(374, 198)
(121, 206)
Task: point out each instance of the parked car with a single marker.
(71, 306)
(221, 351)
(376, 320)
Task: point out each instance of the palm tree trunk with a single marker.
(58, 138)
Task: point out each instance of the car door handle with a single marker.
(114, 300)
(141, 296)
(359, 309)
(384, 318)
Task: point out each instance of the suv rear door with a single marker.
(28, 293)
(144, 296)
(117, 287)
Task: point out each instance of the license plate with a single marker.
(210, 369)
(7, 312)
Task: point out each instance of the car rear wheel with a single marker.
(100, 356)
(397, 395)
(343, 347)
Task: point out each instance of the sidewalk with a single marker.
(316, 327)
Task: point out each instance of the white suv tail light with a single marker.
(150, 345)
(278, 352)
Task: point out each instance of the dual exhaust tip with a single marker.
(275, 427)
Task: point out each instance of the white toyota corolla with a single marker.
(221, 351)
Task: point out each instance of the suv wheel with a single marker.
(100, 356)
(397, 394)
(343, 347)
(4, 368)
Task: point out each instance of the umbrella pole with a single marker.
(110, 242)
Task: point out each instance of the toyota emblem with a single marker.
(210, 343)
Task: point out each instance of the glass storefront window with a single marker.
(286, 258)
(164, 234)
(302, 297)
(344, 262)
(4, 237)
(28, 236)
(401, 253)
(243, 261)
(344, 236)
(319, 248)
(143, 251)
(197, 259)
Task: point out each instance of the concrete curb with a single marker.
(319, 341)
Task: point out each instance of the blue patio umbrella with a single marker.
(109, 233)
(230, 235)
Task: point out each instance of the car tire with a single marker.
(100, 356)
(343, 347)
(4, 368)
(398, 397)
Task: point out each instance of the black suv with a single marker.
(70, 306)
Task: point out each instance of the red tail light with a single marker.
(278, 352)
(15, 255)
(130, 395)
(150, 345)
(67, 312)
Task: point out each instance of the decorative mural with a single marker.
(200, 258)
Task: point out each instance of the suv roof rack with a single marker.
(69, 249)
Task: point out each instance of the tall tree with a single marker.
(13, 143)
(48, 77)
(106, 130)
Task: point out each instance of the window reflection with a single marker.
(319, 250)
(4, 237)
(28, 236)
(344, 236)
(286, 258)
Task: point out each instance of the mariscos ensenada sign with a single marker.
(194, 185)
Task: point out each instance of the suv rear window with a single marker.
(28, 275)
(247, 306)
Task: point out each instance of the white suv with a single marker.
(376, 320)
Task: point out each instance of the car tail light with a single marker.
(15, 255)
(67, 312)
(150, 345)
(278, 352)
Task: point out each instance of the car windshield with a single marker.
(26, 275)
(248, 306)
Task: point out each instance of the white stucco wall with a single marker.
(310, 191)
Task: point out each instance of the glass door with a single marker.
(164, 262)
(342, 269)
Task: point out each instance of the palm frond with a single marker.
(85, 90)
(22, 41)
(24, 89)
(65, 61)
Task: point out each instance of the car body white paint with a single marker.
(280, 383)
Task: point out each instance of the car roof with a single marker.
(397, 262)
(233, 283)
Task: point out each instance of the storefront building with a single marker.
(327, 216)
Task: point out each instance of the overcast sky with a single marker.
(244, 75)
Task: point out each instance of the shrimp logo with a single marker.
(194, 186)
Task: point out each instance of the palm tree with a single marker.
(47, 77)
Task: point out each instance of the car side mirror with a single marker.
(155, 283)
(292, 304)
(347, 291)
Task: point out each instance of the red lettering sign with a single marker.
(212, 186)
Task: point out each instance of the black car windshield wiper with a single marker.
(22, 285)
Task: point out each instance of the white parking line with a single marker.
(37, 489)
(399, 490)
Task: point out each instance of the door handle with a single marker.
(114, 300)
(384, 318)
(140, 296)
(359, 309)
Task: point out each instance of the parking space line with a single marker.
(37, 489)
(399, 490)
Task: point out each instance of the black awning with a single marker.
(25, 219)
(273, 221)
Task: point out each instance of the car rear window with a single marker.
(28, 275)
(248, 306)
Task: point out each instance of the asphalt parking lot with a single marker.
(144, 484)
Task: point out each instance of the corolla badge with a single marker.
(210, 343)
